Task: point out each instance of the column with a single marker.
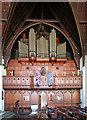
(1, 82)
(83, 91)
(1, 91)
(83, 88)
(0, 87)
(85, 80)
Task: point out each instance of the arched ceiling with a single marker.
(24, 15)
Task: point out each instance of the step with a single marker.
(12, 115)
(7, 114)
(3, 113)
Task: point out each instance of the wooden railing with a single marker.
(24, 82)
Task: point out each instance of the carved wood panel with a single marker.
(32, 82)
(76, 97)
(20, 68)
(54, 98)
(67, 98)
(24, 77)
(26, 99)
(34, 98)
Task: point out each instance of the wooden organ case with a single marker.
(20, 81)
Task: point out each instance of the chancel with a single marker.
(43, 48)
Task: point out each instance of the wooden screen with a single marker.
(21, 86)
(54, 98)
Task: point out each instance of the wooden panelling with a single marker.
(67, 98)
(54, 98)
(65, 76)
(34, 98)
(25, 98)
(20, 68)
(76, 96)
(32, 82)
(19, 83)
(10, 82)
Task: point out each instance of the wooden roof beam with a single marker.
(22, 23)
(83, 22)
(42, 20)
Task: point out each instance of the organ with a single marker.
(53, 43)
(61, 50)
(45, 56)
(42, 47)
(32, 43)
(23, 49)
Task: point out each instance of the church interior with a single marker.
(43, 60)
